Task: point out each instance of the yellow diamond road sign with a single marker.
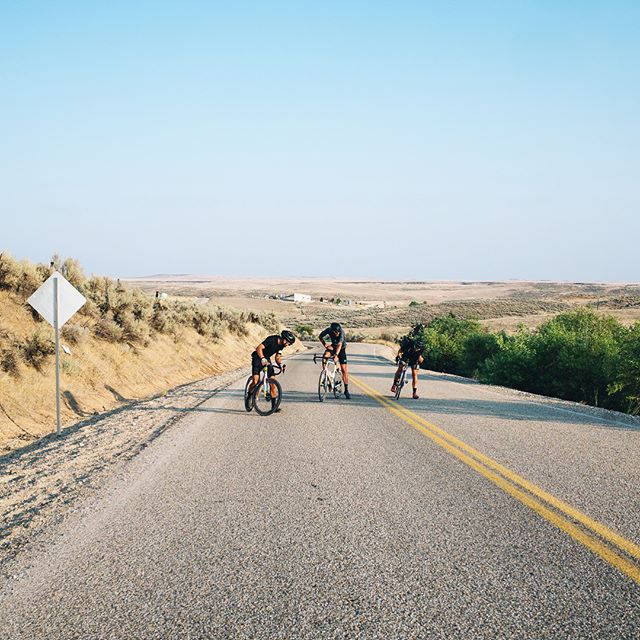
(69, 300)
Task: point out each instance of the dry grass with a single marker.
(499, 305)
(124, 346)
(100, 375)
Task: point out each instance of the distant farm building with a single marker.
(297, 297)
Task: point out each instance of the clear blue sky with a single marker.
(419, 140)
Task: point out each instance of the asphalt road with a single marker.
(479, 514)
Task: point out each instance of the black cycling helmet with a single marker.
(287, 336)
(335, 326)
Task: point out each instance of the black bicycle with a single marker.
(402, 381)
(267, 394)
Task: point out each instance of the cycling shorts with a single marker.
(256, 366)
(411, 364)
(342, 356)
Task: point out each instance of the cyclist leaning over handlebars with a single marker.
(410, 353)
(338, 350)
(261, 357)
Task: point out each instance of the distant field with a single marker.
(369, 307)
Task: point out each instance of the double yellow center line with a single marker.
(610, 546)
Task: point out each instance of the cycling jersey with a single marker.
(272, 345)
(335, 339)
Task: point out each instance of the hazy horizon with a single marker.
(415, 142)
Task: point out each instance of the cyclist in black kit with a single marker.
(338, 350)
(411, 349)
(261, 357)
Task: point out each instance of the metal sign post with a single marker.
(56, 301)
(57, 332)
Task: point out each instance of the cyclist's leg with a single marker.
(342, 359)
(414, 375)
(256, 368)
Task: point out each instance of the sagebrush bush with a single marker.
(10, 358)
(37, 348)
(108, 330)
(73, 272)
(9, 274)
(204, 321)
(29, 278)
(135, 331)
(123, 314)
(73, 333)
(234, 321)
(161, 320)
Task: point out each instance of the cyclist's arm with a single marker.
(321, 338)
(260, 351)
(338, 348)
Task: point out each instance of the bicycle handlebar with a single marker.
(277, 368)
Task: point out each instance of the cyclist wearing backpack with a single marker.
(410, 352)
(338, 350)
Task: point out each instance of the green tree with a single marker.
(445, 339)
(577, 355)
(626, 386)
(513, 365)
(478, 348)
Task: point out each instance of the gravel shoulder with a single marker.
(43, 481)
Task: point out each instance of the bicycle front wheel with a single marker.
(248, 398)
(264, 401)
(337, 385)
(322, 385)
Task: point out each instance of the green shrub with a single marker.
(304, 332)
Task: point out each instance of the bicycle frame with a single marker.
(402, 380)
(333, 374)
(266, 386)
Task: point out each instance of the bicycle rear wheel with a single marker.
(337, 385)
(248, 398)
(322, 385)
(265, 404)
